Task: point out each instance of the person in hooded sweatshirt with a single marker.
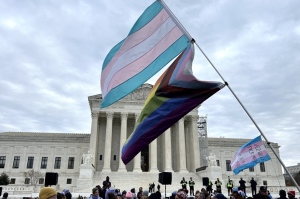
(95, 194)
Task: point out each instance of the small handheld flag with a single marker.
(249, 155)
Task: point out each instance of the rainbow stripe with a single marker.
(174, 95)
(154, 40)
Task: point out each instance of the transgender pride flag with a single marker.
(249, 155)
(154, 40)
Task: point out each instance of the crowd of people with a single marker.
(240, 191)
(107, 192)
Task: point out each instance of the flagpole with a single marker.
(187, 33)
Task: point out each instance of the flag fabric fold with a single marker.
(249, 155)
(175, 94)
(154, 40)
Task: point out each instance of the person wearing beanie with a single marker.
(47, 193)
(108, 191)
(263, 193)
(129, 195)
(291, 194)
(173, 195)
(146, 193)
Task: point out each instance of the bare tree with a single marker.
(34, 176)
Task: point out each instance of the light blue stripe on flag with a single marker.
(249, 155)
(147, 16)
(251, 164)
(121, 90)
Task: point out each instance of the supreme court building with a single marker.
(83, 161)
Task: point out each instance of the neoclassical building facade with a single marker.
(182, 150)
(113, 125)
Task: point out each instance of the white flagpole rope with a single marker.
(178, 22)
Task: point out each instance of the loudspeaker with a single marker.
(165, 178)
(205, 181)
(51, 178)
(0, 191)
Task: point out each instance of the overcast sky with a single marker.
(51, 54)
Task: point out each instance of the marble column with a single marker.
(94, 136)
(123, 135)
(153, 156)
(181, 145)
(108, 140)
(195, 153)
(187, 135)
(137, 158)
(167, 151)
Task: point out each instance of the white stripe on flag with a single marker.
(250, 154)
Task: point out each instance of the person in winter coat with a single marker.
(282, 194)
(95, 194)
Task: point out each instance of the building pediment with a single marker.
(138, 95)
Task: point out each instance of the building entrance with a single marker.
(145, 159)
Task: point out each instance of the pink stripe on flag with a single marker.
(140, 49)
(247, 160)
(138, 65)
(246, 149)
(135, 39)
(145, 32)
(181, 76)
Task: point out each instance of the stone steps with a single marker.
(129, 180)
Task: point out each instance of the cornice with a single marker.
(234, 142)
(45, 137)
